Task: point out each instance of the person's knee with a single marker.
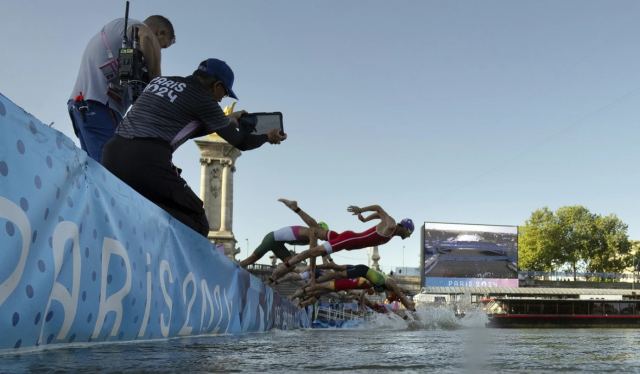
(204, 231)
(249, 260)
(198, 223)
(203, 225)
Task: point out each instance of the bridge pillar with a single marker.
(217, 165)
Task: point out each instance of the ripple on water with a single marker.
(384, 346)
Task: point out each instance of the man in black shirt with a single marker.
(170, 111)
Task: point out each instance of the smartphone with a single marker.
(261, 122)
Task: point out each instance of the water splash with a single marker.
(435, 317)
(389, 321)
(474, 318)
(427, 318)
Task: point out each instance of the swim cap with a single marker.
(407, 223)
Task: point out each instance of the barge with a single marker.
(563, 313)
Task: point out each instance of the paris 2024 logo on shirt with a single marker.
(163, 87)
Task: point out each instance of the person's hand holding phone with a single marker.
(238, 114)
(235, 116)
(275, 136)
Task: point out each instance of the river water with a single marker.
(439, 343)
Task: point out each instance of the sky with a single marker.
(477, 111)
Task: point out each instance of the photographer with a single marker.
(170, 111)
(97, 102)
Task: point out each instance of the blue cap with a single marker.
(407, 223)
(222, 71)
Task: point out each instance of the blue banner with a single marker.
(85, 258)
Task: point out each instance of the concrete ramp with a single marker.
(84, 258)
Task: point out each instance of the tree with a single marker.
(633, 260)
(577, 228)
(573, 238)
(612, 247)
(537, 241)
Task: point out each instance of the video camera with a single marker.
(132, 72)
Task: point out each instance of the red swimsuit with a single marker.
(351, 284)
(354, 240)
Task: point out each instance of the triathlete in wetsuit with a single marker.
(344, 284)
(349, 240)
(294, 235)
(379, 281)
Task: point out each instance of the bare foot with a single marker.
(291, 204)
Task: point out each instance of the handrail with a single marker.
(570, 275)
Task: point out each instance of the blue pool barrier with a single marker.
(84, 258)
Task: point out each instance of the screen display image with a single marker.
(469, 255)
(262, 123)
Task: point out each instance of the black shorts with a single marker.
(269, 243)
(145, 165)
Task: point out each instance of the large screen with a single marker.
(466, 255)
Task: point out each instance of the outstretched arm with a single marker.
(365, 301)
(245, 141)
(293, 205)
(329, 275)
(371, 305)
(393, 286)
(378, 212)
(332, 266)
(327, 260)
(369, 217)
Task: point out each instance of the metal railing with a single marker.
(260, 267)
(329, 313)
(583, 276)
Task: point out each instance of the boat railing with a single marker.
(568, 276)
(493, 307)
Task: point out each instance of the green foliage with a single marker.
(574, 238)
(612, 248)
(633, 261)
(537, 240)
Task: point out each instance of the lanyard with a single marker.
(106, 45)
